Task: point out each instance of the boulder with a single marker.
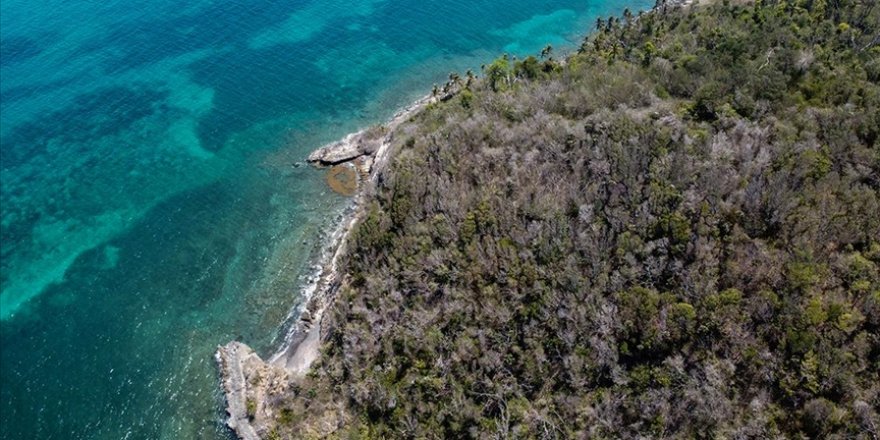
(362, 143)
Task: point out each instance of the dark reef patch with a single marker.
(13, 94)
(90, 116)
(281, 93)
(148, 41)
(17, 49)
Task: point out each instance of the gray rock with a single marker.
(248, 381)
(338, 152)
(364, 142)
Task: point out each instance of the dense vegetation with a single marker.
(673, 234)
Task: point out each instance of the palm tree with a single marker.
(610, 25)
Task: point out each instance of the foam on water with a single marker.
(150, 208)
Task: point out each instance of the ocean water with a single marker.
(151, 206)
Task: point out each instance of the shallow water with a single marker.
(149, 204)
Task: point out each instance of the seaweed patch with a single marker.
(343, 179)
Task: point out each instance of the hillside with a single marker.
(672, 234)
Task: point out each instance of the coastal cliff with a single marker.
(672, 233)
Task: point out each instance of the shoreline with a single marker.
(320, 292)
(246, 379)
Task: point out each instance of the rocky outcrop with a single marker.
(366, 143)
(249, 383)
(362, 143)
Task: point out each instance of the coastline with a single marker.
(246, 379)
(461, 300)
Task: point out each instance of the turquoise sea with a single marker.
(150, 206)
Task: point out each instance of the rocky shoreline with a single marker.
(248, 381)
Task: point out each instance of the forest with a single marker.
(672, 233)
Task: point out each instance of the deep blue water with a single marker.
(149, 206)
